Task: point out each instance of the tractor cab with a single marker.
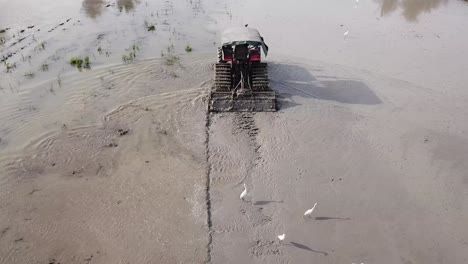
(242, 45)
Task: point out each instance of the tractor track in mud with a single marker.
(208, 185)
(245, 123)
(244, 126)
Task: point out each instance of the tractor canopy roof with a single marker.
(243, 35)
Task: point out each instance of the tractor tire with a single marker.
(220, 55)
(259, 77)
(223, 77)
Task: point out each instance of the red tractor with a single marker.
(241, 79)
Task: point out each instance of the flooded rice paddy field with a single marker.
(118, 161)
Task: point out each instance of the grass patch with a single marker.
(9, 66)
(41, 46)
(132, 54)
(29, 75)
(80, 63)
(44, 67)
(171, 59)
(86, 62)
(129, 57)
(27, 58)
(77, 62)
(170, 48)
(150, 26)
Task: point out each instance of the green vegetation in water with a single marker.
(101, 51)
(44, 67)
(27, 58)
(188, 48)
(41, 46)
(9, 66)
(77, 62)
(80, 63)
(131, 55)
(51, 89)
(150, 26)
(29, 75)
(171, 59)
(86, 62)
(171, 48)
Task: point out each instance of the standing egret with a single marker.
(309, 212)
(244, 193)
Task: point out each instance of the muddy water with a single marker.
(106, 172)
(429, 47)
(109, 163)
(364, 147)
(418, 33)
(77, 100)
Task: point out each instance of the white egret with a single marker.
(309, 212)
(244, 193)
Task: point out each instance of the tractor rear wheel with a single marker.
(223, 77)
(259, 77)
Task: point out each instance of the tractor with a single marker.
(241, 78)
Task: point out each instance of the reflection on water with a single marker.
(128, 5)
(411, 8)
(94, 8)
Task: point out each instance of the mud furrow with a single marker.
(208, 184)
